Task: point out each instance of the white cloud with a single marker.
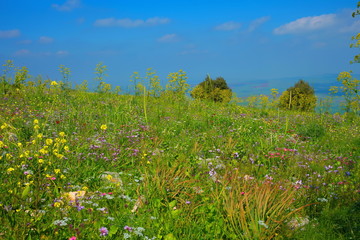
(352, 28)
(169, 38)
(257, 23)
(25, 42)
(22, 52)
(306, 24)
(9, 33)
(104, 53)
(67, 6)
(44, 39)
(62, 53)
(80, 20)
(129, 23)
(228, 26)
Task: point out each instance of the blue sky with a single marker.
(254, 45)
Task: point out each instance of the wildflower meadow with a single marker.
(157, 164)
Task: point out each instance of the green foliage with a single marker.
(215, 90)
(177, 82)
(83, 87)
(311, 130)
(356, 38)
(300, 97)
(351, 91)
(350, 85)
(65, 72)
(137, 83)
(155, 88)
(100, 72)
(9, 83)
(146, 167)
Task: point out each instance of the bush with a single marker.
(300, 97)
(215, 90)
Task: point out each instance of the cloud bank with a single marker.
(169, 38)
(9, 33)
(306, 24)
(257, 23)
(67, 6)
(228, 26)
(130, 23)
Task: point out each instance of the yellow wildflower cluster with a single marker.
(344, 75)
(36, 124)
(3, 126)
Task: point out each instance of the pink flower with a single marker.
(103, 231)
(72, 238)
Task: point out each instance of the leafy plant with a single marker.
(300, 97)
(215, 90)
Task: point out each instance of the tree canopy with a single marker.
(215, 90)
(300, 97)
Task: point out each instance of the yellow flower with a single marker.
(62, 176)
(19, 144)
(10, 170)
(103, 127)
(63, 141)
(36, 122)
(56, 171)
(85, 188)
(66, 148)
(1, 144)
(4, 126)
(40, 161)
(62, 134)
(40, 135)
(57, 204)
(53, 83)
(43, 151)
(36, 127)
(48, 141)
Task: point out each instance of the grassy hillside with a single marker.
(80, 165)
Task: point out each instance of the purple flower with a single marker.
(103, 231)
(212, 172)
(80, 207)
(128, 228)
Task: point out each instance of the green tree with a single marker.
(215, 90)
(300, 97)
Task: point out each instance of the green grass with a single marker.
(73, 162)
